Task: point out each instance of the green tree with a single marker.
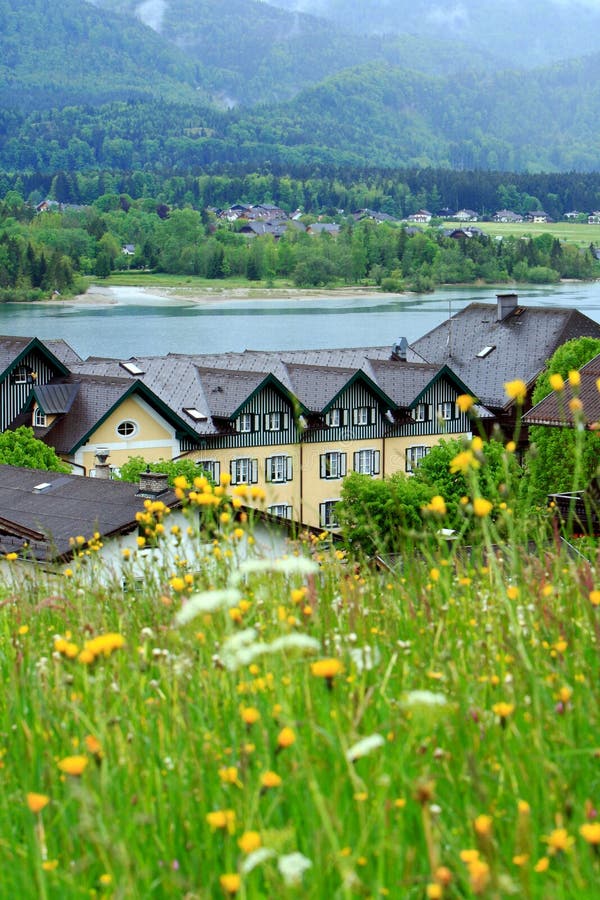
(133, 468)
(21, 448)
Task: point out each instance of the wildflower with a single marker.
(556, 382)
(542, 864)
(73, 765)
(503, 710)
(255, 859)
(105, 879)
(479, 874)
(436, 505)
(464, 461)
(37, 802)
(559, 841)
(12, 556)
(104, 644)
(230, 882)
(574, 378)
(270, 780)
(49, 865)
(469, 856)
(93, 745)
(575, 405)
(221, 819)
(516, 390)
(521, 859)
(365, 658)
(364, 747)
(465, 402)
(250, 715)
(326, 668)
(590, 832)
(511, 447)
(292, 867)
(512, 592)
(249, 841)
(482, 507)
(229, 775)
(483, 825)
(206, 602)
(286, 738)
(434, 891)
(595, 598)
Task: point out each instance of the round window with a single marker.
(126, 429)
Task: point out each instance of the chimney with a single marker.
(102, 468)
(507, 303)
(152, 484)
(400, 349)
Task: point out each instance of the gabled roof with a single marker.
(516, 347)
(554, 409)
(93, 402)
(55, 399)
(406, 382)
(15, 349)
(62, 507)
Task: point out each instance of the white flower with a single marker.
(296, 642)
(364, 747)
(365, 658)
(420, 699)
(292, 867)
(242, 648)
(293, 565)
(255, 859)
(206, 602)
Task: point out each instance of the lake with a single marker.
(142, 323)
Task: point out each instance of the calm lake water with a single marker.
(140, 323)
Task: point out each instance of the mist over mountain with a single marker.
(522, 35)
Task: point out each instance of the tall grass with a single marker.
(311, 727)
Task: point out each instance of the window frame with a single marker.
(278, 469)
(446, 404)
(130, 434)
(367, 461)
(326, 514)
(243, 462)
(326, 467)
(40, 419)
(411, 463)
(212, 467)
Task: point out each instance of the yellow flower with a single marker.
(270, 779)
(93, 745)
(249, 841)
(249, 715)
(37, 802)
(229, 775)
(511, 447)
(503, 709)
(230, 882)
(520, 859)
(595, 598)
(434, 892)
(556, 382)
(482, 507)
(479, 873)
(286, 738)
(590, 832)
(542, 864)
(49, 865)
(483, 825)
(105, 879)
(469, 856)
(512, 592)
(221, 818)
(436, 505)
(575, 405)
(574, 378)
(326, 668)
(516, 390)
(464, 461)
(12, 556)
(465, 402)
(559, 841)
(73, 765)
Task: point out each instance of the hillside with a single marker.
(71, 53)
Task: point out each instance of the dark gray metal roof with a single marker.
(56, 398)
(70, 506)
(521, 345)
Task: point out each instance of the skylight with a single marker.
(131, 368)
(485, 352)
(195, 414)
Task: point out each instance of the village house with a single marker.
(506, 215)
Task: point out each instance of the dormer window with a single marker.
(39, 418)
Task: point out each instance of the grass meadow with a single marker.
(305, 727)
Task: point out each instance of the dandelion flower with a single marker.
(516, 390)
(230, 882)
(483, 825)
(250, 715)
(590, 832)
(557, 382)
(221, 819)
(595, 598)
(73, 765)
(37, 802)
(465, 402)
(249, 841)
(286, 738)
(559, 841)
(270, 780)
(542, 864)
(482, 507)
(437, 505)
(326, 668)
(574, 378)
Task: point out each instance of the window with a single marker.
(127, 429)
(245, 422)
(281, 510)
(327, 517)
(244, 471)
(337, 417)
(421, 413)
(39, 418)
(414, 455)
(276, 421)
(367, 462)
(21, 375)
(446, 410)
(333, 465)
(278, 468)
(212, 468)
(364, 415)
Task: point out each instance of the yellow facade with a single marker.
(151, 436)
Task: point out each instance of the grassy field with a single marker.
(574, 233)
(309, 727)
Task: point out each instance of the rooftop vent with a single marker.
(152, 484)
(41, 487)
(400, 349)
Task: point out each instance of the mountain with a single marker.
(523, 35)
(59, 53)
(281, 52)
